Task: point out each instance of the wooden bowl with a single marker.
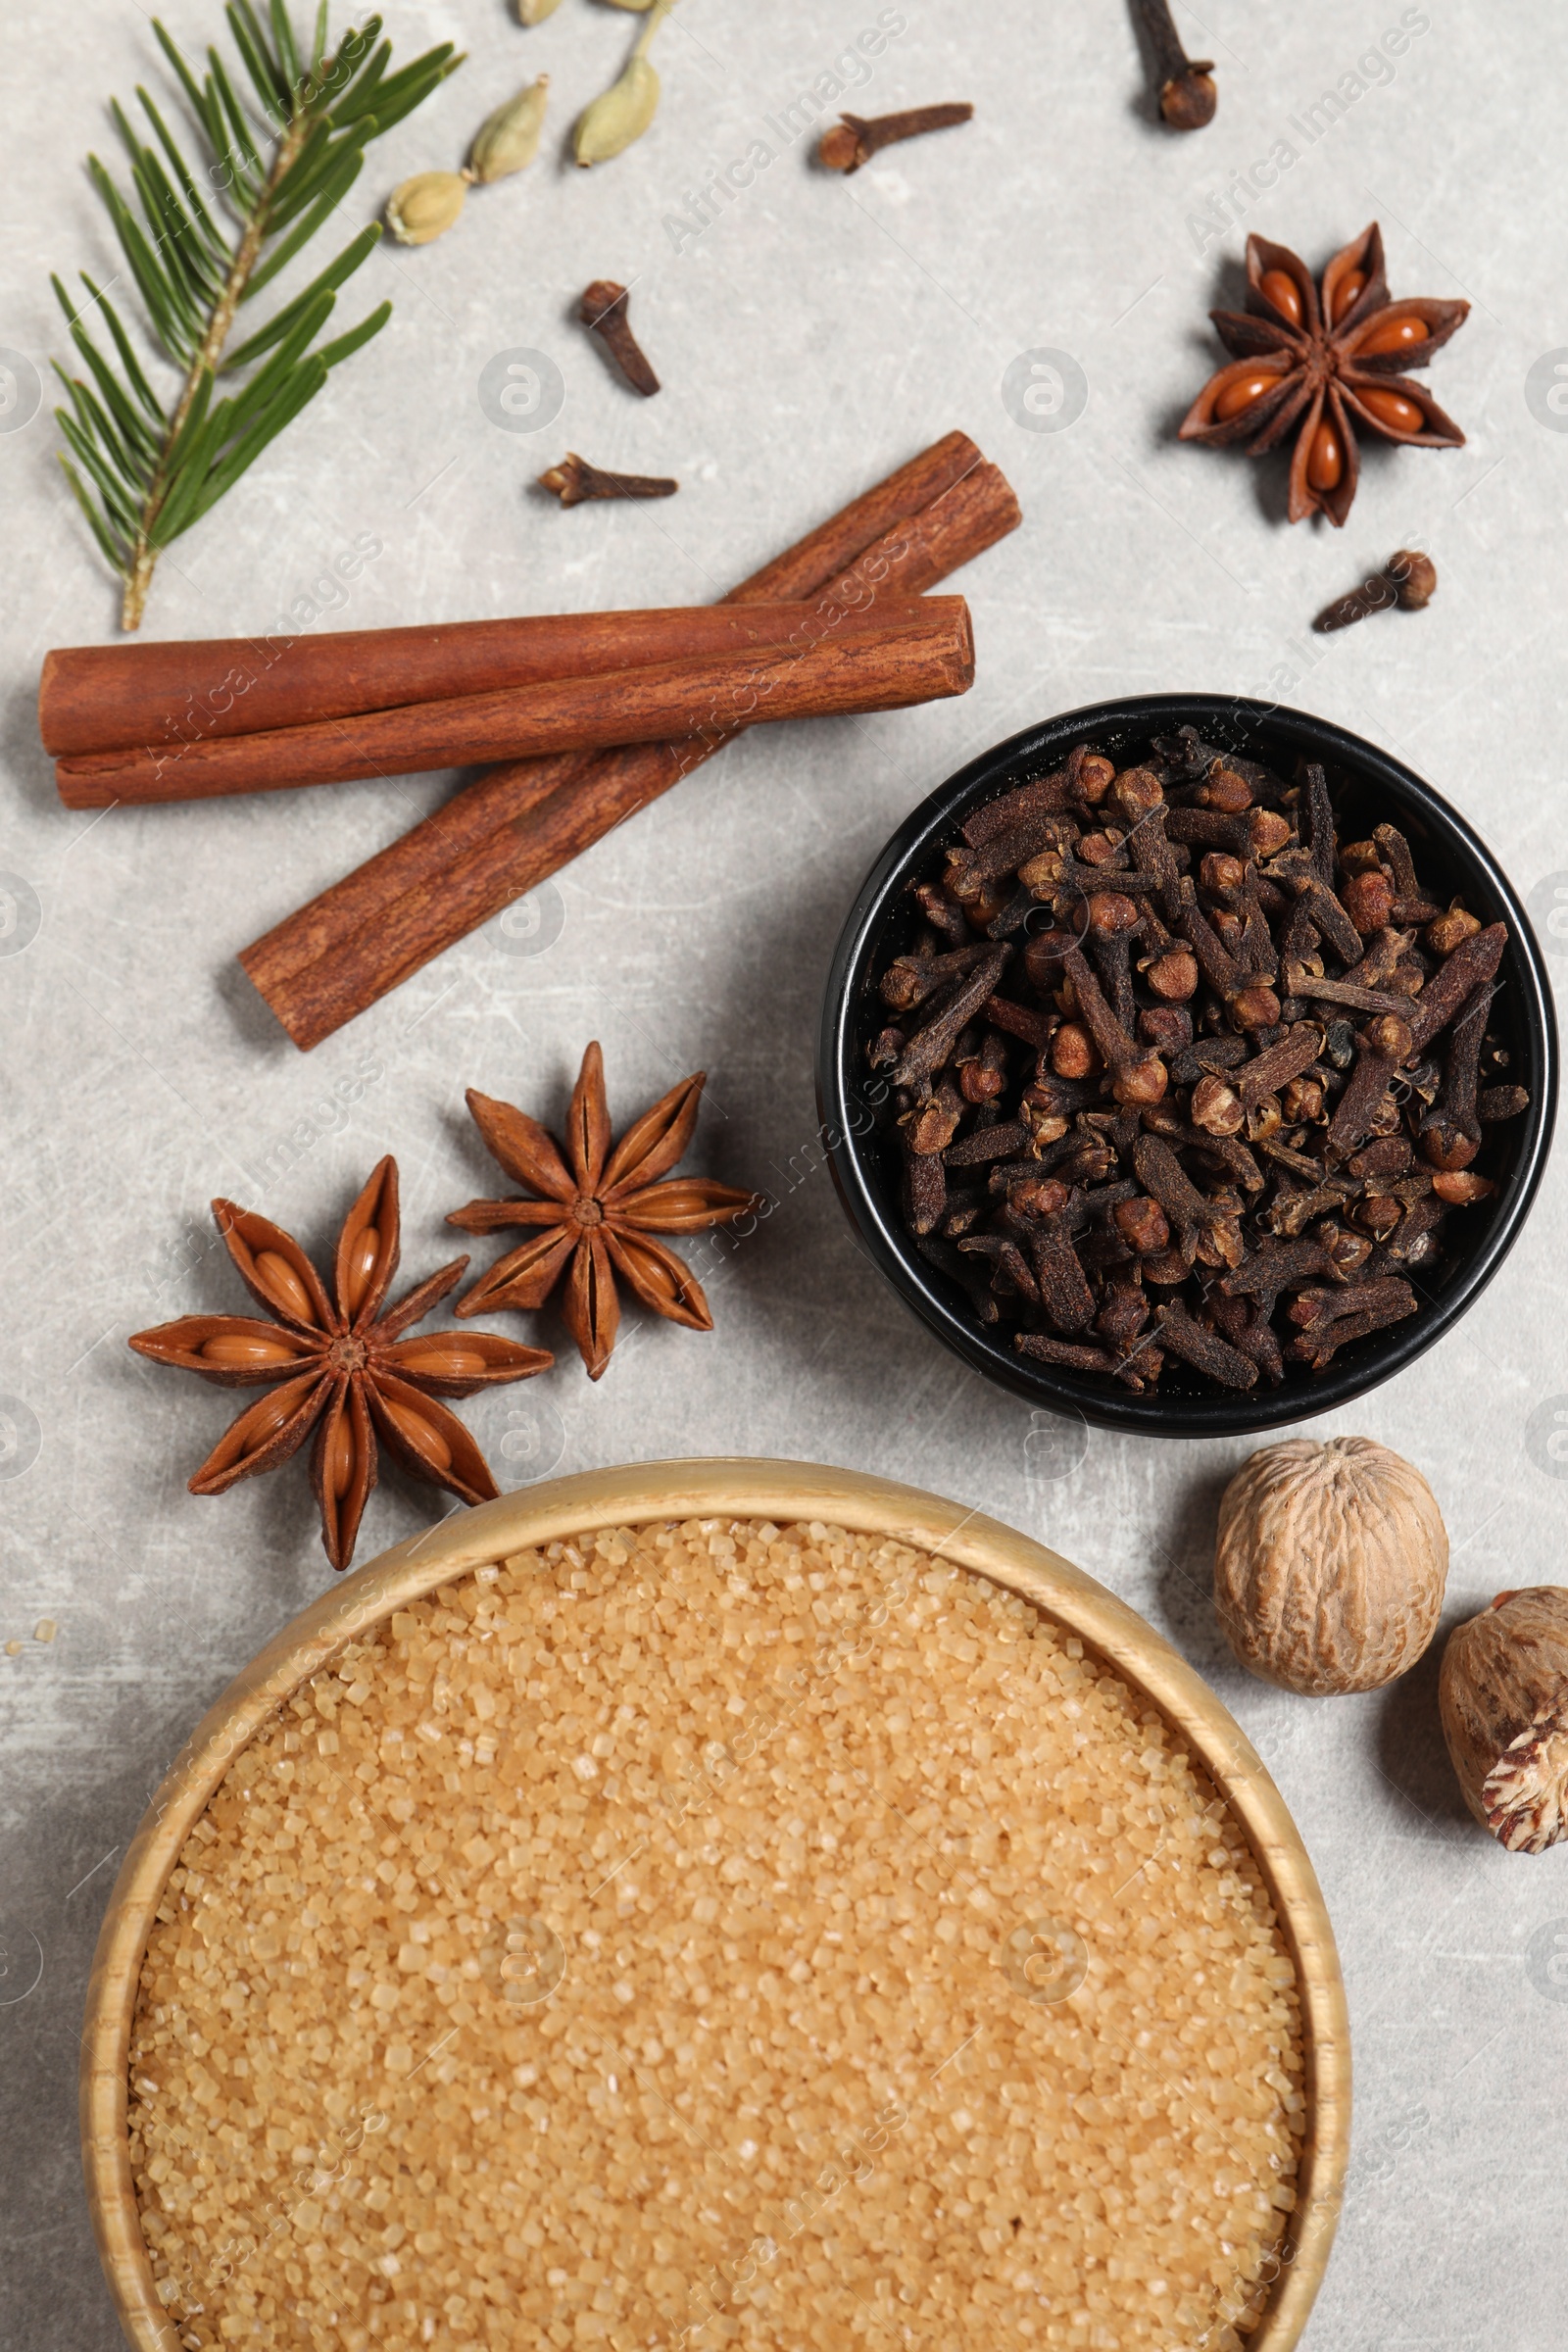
(703, 1490)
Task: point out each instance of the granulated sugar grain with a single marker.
(724, 1935)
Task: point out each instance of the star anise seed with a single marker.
(1322, 362)
(597, 1216)
(339, 1366)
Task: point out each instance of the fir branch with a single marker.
(199, 243)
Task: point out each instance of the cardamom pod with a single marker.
(620, 115)
(534, 12)
(425, 207)
(509, 139)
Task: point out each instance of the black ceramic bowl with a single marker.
(1369, 788)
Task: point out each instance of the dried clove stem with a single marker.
(1187, 95)
(1302, 983)
(1316, 1309)
(1063, 1290)
(1204, 1349)
(925, 1189)
(573, 480)
(853, 141)
(1411, 904)
(988, 1144)
(910, 979)
(1064, 1352)
(1058, 879)
(1113, 925)
(1382, 1047)
(1193, 1218)
(943, 916)
(1035, 1029)
(1140, 1076)
(931, 1044)
(1273, 1068)
(1473, 962)
(1450, 1131)
(604, 312)
(945, 1258)
(1252, 1003)
(1247, 1329)
(1408, 579)
(1389, 1303)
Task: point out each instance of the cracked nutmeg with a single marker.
(1322, 364)
(1504, 1694)
(1330, 1566)
(338, 1365)
(601, 1205)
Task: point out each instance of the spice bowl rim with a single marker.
(784, 1492)
(850, 1098)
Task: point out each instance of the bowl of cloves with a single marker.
(1188, 1062)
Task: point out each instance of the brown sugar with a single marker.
(715, 1935)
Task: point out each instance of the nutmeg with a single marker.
(1330, 1566)
(1503, 1694)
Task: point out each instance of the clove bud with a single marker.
(853, 141)
(1187, 96)
(604, 312)
(1408, 579)
(574, 480)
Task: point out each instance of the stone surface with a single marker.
(815, 334)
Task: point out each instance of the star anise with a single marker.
(338, 1366)
(1323, 361)
(598, 1216)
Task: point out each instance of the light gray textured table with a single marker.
(816, 333)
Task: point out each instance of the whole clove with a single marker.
(574, 480)
(1472, 963)
(1372, 1307)
(604, 312)
(911, 979)
(925, 1190)
(853, 141)
(946, 1015)
(1408, 579)
(1451, 1126)
(1180, 1077)
(1204, 1349)
(1186, 87)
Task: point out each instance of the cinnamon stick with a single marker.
(109, 698)
(402, 890)
(504, 833)
(907, 650)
